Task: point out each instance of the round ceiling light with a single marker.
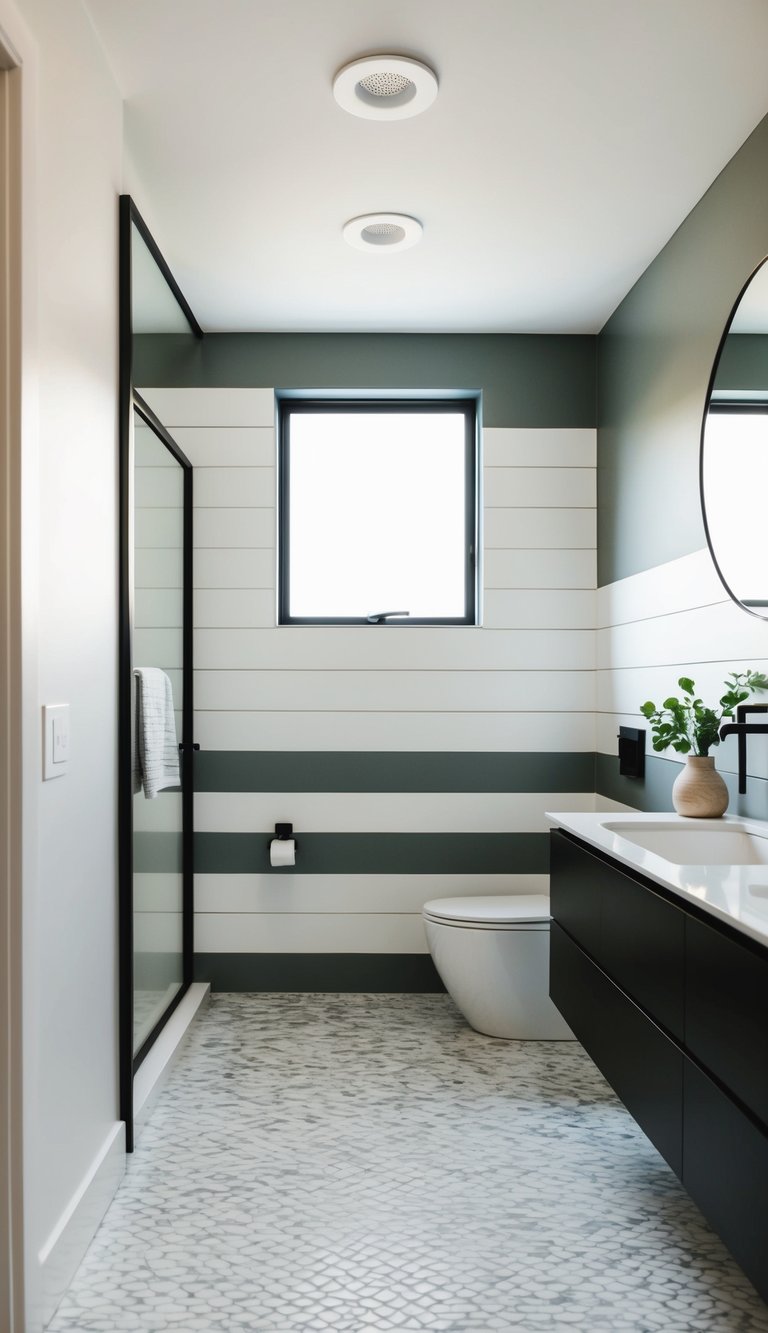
(385, 87)
(384, 232)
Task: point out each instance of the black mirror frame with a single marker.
(759, 614)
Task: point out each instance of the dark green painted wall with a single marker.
(655, 356)
(526, 379)
(743, 363)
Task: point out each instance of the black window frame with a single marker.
(466, 405)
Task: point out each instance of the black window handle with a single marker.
(378, 616)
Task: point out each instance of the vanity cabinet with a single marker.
(673, 1009)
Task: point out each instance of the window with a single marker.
(378, 511)
(734, 472)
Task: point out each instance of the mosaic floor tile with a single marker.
(367, 1163)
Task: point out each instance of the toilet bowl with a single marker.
(493, 957)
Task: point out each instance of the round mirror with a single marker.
(734, 450)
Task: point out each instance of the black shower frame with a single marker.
(129, 402)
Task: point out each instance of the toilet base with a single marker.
(499, 979)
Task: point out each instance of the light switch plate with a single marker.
(55, 740)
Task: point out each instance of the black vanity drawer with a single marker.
(635, 935)
(575, 891)
(726, 1024)
(725, 1170)
(639, 1061)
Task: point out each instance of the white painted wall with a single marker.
(72, 169)
(669, 621)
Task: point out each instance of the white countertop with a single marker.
(736, 894)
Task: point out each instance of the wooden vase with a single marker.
(698, 790)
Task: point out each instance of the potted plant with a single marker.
(692, 728)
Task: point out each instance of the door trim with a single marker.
(11, 704)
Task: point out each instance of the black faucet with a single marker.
(742, 729)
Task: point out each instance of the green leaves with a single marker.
(687, 724)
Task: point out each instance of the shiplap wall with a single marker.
(523, 683)
(669, 621)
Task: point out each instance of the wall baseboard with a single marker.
(151, 1076)
(322, 972)
(63, 1252)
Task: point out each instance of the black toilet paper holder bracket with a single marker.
(283, 832)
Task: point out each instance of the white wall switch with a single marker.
(55, 740)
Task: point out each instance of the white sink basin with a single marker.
(709, 843)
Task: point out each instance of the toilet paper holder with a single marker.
(283, 832)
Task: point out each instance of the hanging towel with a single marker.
(156, 752)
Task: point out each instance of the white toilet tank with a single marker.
(493, 957)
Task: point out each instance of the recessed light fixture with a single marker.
(382, 232)
(385, 87)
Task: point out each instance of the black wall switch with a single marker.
(632, 752)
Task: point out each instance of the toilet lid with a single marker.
(500, 910)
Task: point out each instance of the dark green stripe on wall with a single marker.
(392, 771)
(655, 792)
(526, 379)
(409, 973)
(156, 852)
(377, 853)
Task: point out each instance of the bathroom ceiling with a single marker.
(568, 141)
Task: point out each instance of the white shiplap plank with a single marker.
(572, 732)
(286, 892)
(158, 932)
(234, 527)
(539, 609)
(160, 815)
(624, 691)
(159, 891)
(510, 446)
(212, 407)
(158, 647)
(159, 487)
(158, 608)
(528, 529)
(158, 567)
(677, 585)
(228, 446)
(365, 648)
(395, 691)
(235, 607)
(722, 633)
(158, 527)
(234, 487)
(383, 812)
(236, 567)
(566, 487)
(540, 569)
(308, 932)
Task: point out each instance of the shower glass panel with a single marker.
(158, 708)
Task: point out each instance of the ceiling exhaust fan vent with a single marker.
(386, 84)
(385, 87)
(382, 231)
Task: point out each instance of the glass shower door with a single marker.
(160, 774)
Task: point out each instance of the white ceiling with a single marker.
(568, 141)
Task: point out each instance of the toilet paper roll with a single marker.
(282, 852)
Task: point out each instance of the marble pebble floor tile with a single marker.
(367, 1163)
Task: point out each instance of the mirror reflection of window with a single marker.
(734, 449)
(735, 477)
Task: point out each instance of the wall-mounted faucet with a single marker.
(742, 729)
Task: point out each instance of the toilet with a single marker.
(493, 957)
